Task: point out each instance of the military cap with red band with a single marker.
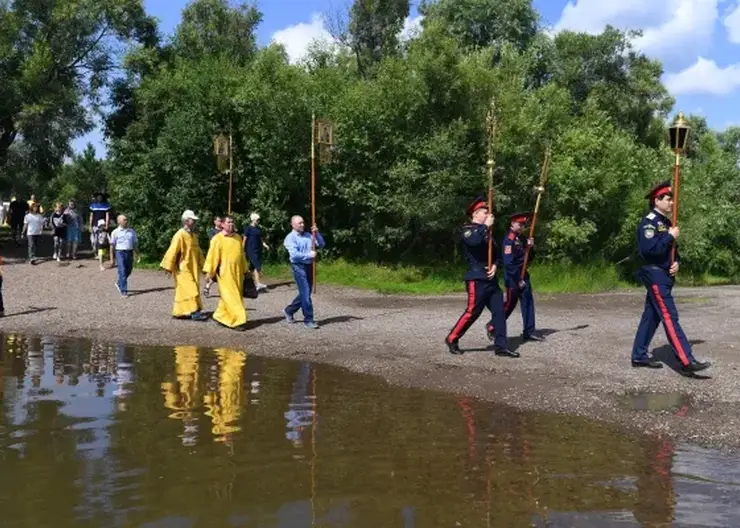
(519, 217)
(478, 203)
(659, 190)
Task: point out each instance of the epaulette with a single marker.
(650, 216)
(511, 235)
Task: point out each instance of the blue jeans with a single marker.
(303, 275)
(125, 264)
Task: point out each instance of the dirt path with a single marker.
(583, 368)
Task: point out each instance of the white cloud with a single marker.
(298, 38)
(671, 28)
(411, 27)
(732, 24)
(704, 77)
(590, 16)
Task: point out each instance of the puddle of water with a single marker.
(675, 402)
(100, 435)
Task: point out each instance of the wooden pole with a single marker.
(313, 194)
(231, 169)
(491, 128)
(676, 192)
(540, 192)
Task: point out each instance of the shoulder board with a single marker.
(650, 216)
(511, 235)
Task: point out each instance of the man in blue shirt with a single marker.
(299, 246)
(656, 238)
(124, 245)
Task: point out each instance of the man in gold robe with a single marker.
(227, 263)
(184, 261)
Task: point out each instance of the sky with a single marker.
(698, 41)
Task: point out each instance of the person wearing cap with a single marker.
(184, 260)
(481, 283)
(253, 245)
(515, 248)
(656, 237)
(226, 262)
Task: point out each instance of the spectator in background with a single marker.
(74, 229)
(33, 226)
(33, 202)
(218, 224)
(102, 242)
(125, 245)
(59, 225)
(253, 244)
(18, 210)
(2, 305)
(99, 210)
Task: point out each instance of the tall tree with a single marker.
(55, 56)
(482, 23)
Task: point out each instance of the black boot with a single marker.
(506, 352)
(695, 366)
(532, 337)
(453, 348)
(648, 363)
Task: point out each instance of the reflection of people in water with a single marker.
(183, 395)
(224, 408)
(655, 496)
(124, 377)
(300, 408)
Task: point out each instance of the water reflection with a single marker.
(94, 434)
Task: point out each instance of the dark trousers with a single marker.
(513, 294)
(125, 264)
(660, 308)
(482, 294)
(2, 305)
(303, 275)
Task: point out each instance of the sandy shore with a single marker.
(583, 368)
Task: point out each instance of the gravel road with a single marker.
(583, 368)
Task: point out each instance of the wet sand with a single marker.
(583, 368)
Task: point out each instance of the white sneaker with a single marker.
(55, 256)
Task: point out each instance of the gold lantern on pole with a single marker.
(222, 148)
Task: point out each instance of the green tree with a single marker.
(55, 57)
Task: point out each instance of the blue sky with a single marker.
(697, 40)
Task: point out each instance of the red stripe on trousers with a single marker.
(465, 405)
(669, 325)
(455, 334)
(507, 304)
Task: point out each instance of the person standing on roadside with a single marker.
(18, 210)
(33, 226)
(74, 229)
(99, 210)
(184, 261)
(218, 224)
(58, 222)
(302, 256)
(656, 238)
(226, 262)
(253, 245)
(125, 246)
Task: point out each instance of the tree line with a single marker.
(409, 114)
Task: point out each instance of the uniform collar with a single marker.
(660, 214)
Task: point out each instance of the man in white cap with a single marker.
(253, 245)
(184, 261)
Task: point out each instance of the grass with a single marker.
(438, 280)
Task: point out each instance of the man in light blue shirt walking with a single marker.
(125, 246)
(298, 244)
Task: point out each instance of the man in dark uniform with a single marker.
(515, 248)
(656, 236)
(481, 283)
